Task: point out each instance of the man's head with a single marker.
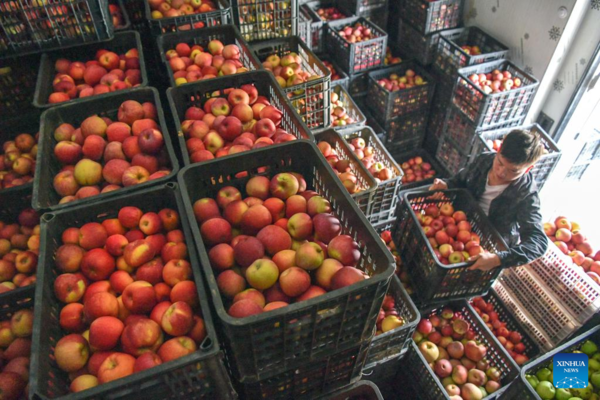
(521, 149)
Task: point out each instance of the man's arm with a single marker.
(534, 242)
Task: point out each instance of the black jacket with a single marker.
(515, 213)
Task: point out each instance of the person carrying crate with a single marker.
(507, 193)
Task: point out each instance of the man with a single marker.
(508, 194)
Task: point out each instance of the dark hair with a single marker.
(522, 147)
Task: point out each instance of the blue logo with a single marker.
(570, 371)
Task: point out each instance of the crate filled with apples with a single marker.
(462, 47)
(123, 302)
(405, 133)
(492, 93)
(303, 220)
(357, 44)
(501, 322)
(16, 328)
(429, 16)
(383, 168)
(338, 76)
(354, 176)
(385, 233)
(320, 13)
(264, 19)
(390, 58)
(301, 75)
(104, 147)
(18, 150)
(119, 16)
(345, 114)
(112, 66)
(454, 354)
(419, 168)
(436, 238)
(234, 114)
(399, 90)
(205, 54)
(165, 16)
(421, 47)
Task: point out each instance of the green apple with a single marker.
(594, 397)
(532, 380)
(585, 394)
(545, 390)
(575, 398)
(484, 393)
(594, 365)
(543, 374)
(448, 381)
(417, 337)
(595, 379)
(596, 357)
(589, 348)
(563, 394)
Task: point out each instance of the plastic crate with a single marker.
(312, 380)
(365, 181)
(388, 105)
(385, 197)
(44, 196)
(136, 11)
(199, 375)
(196, 94)
(550, 317)
(442, 99)
(360, 390)
(434, 281)
(122, 42)
(304, 28)
(489, 110)
(407, 128)
(126, 25)
(391, 344)
(227, 34)
(350, 107)
(377, 15)
(220, 16)
(452, 156)
(441, 173)
(451, 57)
(356, 57)
(542, 168)
(17, 84)
(262, 345)
(265, 19)
(431, 16)
(358, 84)
(428, 385)
(318, 26)
(360, 7)
(310, 99)
(15, 300)
(343, 80)
(521, 389)
(416, 45)
(29, 28)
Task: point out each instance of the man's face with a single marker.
(506, 171)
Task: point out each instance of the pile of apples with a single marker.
(278, 245)
(190, 64)
(495, 82)
(471, 50)
(542, 381)
(341, 166)
(415, 170)
(128, 299)
(388, 318)
(366, 155)
(19, 250)
(288, 70)
(104, 155)
(390, 59)
(116, 14)
(511, 340)
(240, 122)
(386, 236)
(176, 8)
(451, 348)
(107, 72)
(357, 33)
(569, 239)
(15, 343)
(339, 116)
(449, 233)
(330, 14)
(410, 79)
(335, 76)
(17, 160)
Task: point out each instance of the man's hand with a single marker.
(438, 184)
(485, 262)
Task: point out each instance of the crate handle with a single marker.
(47, 217)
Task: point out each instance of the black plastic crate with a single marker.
(30, 27)
(451, 155)
(545, 165)
(312, 380)
(378, 15)
(488, 110)
(311, 98)
(360, 390)
(358, 84)
(391, 344)
(198, 375)
(343, 79)
(451, 57)
(521, 389)
(350, 108)
(385, 197)
(434, 281)
(265, 19)
(304, 27)
(360, 7)
(415, 45)
(356, 57)
(387, 105)
(227, 34)
(402, 158)
(442, 99)
(17, 84)
(196, 94)
(136, 11)
(365, 181)
(126, 25)
(318, 26)
(44, 196)
(431, 16)
(159, 26)
(410, 127)
(428, 385)
(122, 42)
(260, 346)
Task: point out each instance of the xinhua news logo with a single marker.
(570, 371)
